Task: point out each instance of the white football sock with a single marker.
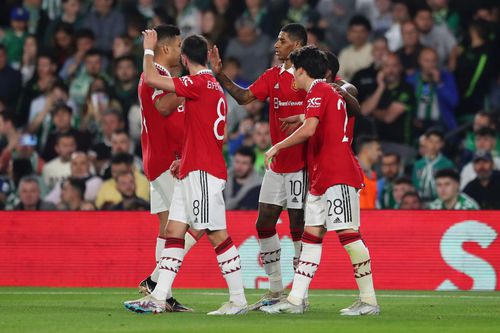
(360, 259)
(160, 245)
(230, 265)
(270, 253)
(170, 263)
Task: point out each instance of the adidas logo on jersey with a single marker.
(294, 200)
(277, 86)
(337, 220)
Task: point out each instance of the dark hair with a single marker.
(78, 184)
(195, 47)
(403, 180)
(166, 32)
(125, 58)
(482, 28)
(84, 33)
(364, 140)
(447, 173)
(485, 131)
(61, 106)
(46, 54)
(65, 135)
(8, 116)
(360, 20)
(422, 8)
(411, 194)
(66, 27)
(248, 152)
(434, 131)
(233, 60)
(333, 64)
(60, 85)
(312, 60)
(398, 158)
(318, 32)
(21, 167)
(2, 48)
(121, 131)
(296, 32)
(92, 52)
(122, 158)
(113, 112)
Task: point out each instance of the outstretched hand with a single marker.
(149, 39)
(273, 151)
(215, 60)
(290, 124)
(175, 167)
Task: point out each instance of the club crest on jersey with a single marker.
(294, 85)
(186, 80)
(314, 102)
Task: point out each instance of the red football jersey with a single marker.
(161, 137)
(285, 100)
(331, 160)
(205, 110)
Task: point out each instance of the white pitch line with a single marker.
(55, 293)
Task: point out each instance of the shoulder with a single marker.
(436, 204)
(469, 203)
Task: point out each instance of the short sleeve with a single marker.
(260, 88)
(187, 86)
(157, 94)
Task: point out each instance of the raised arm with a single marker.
(151, 76)
(241, 95)
(302, 134)
(168, 104)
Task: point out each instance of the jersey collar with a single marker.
(162, 69)
(315, 82)
(289, 70)
(204, 71)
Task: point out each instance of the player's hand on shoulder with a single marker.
(290, 124)
(215, 60)
(339, 89)
(149, 39)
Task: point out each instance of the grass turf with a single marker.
(101, 310)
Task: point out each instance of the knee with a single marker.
(349, 236)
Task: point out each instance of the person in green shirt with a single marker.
(431, 162)
(13, 37)
(262, 140)
(448, 190)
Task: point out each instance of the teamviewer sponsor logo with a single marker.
(314, 102)
(277, 103)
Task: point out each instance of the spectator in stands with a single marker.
(400, 15)
(485, 188)
(93, 69)
(485, 141)
(475, 71)
(121, 143)
(335, 17)
(243, 137)
(123, 46)
(61, 123)
(432, 161)
(111, 122)
(369, 154)
(436, 94)
(29, 195)
(250, 48)
(41, 83)
(299, 11)
(84, 41)
(235, 112)
(38, 18)
(410, 50)
(444, 15)
(10, 80)
(381, 18)
(392, 104)
(358, 54)
(482, 119)
(9, 139)
(13, 37)
(257, 11)
(71, 15)
(26, 149)
(390, 169)
(28, 64)
(401, 186)
(448, 192)
(188, 17)
(99, 102)
(60, 167)
(435, 36)
(262, 140)
(80, 169)
(72, 192)
(108, 194)
(105, 22)
(126, 186)
(126, 80)
(62, 43)
(365, 80)
(411, 201)
(243, 182)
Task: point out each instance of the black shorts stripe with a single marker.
(207, 197)
(349, 213)
(344, 210)
(202, 201)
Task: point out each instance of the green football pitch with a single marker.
(101, 310)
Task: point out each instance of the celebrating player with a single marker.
(335, 179)
(197, 199)
(161, 138)
(284, 184)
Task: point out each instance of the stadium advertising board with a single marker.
(426, 250)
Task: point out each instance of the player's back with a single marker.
(161, 137)
(205, 118)
(285, 100)
(330, 157)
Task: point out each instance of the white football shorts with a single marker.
(284, 189)
(162, 189)
(198, 201)
(336, 209)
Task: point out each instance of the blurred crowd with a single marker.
(426, 73)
